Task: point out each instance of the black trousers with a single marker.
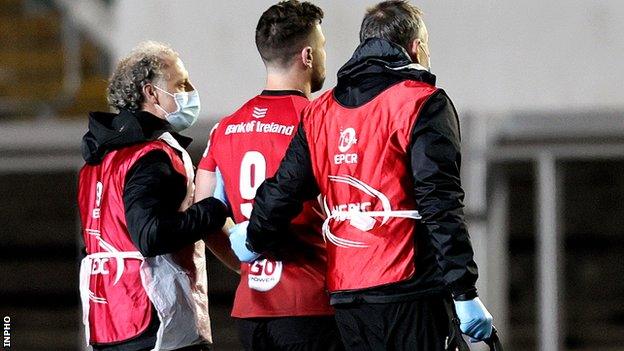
(290, 334)
(427, 324)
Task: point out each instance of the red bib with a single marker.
(119, 308)
(360, 161)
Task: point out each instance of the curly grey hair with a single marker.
(144, 65)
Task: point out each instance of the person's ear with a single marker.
(149, 92)
(412, 50)
(307, 57)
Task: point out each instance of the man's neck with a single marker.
(153, 110)
(279, 80)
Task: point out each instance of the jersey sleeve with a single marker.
(208, 162)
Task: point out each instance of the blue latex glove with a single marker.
(238, 238)
(219, 191)
(475, 320)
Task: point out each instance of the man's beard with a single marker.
(317, 82)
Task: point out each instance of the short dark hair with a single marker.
(396, 20)
(283, 29)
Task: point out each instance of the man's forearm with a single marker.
(280, 198)
(217, 242)
(158, 234)
(154, 224)
(219, 245)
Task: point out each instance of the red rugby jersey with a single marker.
(248, 146)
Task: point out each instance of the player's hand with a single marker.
(238, 242)
(475, 320)
(219, 191)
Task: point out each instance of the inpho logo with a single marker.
(7, 333)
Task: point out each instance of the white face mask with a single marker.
(187, 112)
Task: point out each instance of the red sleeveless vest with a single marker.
(119, 307)
(360, 161)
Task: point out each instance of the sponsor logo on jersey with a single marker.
(259, 127)
(100, 264)
(355, 212)
(346, 140)
(264, 274)
(98, 200)
(259, 112)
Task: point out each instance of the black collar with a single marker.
(375, 65)
(282, 93)
(153, 127)
(109, 131)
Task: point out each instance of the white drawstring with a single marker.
(363, 221)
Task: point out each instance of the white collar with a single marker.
(410, 66)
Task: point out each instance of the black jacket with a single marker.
(445, 259)
(152, 195)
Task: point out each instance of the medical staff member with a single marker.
(143, 281)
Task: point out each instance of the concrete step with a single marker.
(36, 90)
(32, 59)
(47, 86)
(90, 97)
(23, 32)
(10, 8)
